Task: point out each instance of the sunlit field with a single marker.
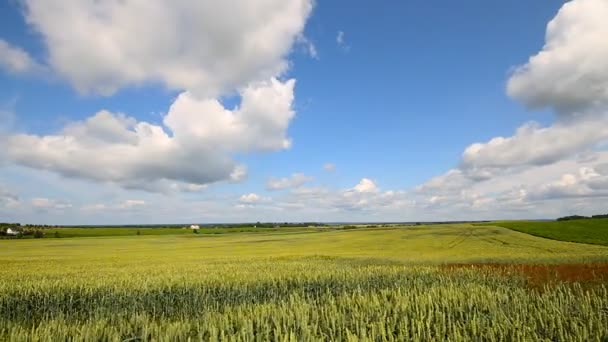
(444, 282)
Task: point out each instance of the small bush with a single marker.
(38, 234)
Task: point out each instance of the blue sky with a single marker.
(393, 95)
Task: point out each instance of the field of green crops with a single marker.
(594, 231)
(344, 285)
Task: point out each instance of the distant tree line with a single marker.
(579, 217)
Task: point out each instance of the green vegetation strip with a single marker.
(591, 231)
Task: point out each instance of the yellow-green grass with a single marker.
(592, 231)
(69, 232)
(413, 245)
(362, 284)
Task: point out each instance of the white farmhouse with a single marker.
(195, 227)
(12, 231)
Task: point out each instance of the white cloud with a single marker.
(587, 182)
(571, 70)
(49, 204)
(260, 123)
(535, 145)
(536, 191)
(16, 60)
(131, 203)
(250, 198)
(329, 167)
(366, 185)
(193, 146)
(453, 180)
(239, 174)
(294, 181)
(365, 197)
(206, 47)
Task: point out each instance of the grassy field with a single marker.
(129, 231)
(363, 284)
(593, 231)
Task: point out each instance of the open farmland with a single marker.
(392, 284)
(303, 170)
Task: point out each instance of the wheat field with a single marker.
(351, 285)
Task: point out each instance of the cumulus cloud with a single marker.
(249, 198)
(571, 70)
(193, 145)
(16, 60)
(540, 191)
(206, 47)
(587, 182)
(366, 185)
(535, 145)
(294, 181)
(453, 180)
(364, 197)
